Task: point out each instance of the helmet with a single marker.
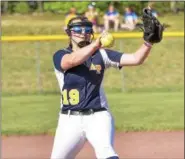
(83, 22)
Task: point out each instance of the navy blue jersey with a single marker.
(81, 85)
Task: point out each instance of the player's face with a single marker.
(81, 33)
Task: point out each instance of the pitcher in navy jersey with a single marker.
(85, 114)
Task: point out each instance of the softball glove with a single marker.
(153, 30)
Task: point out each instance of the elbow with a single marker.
(139, 62)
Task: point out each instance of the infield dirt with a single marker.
(131, 145)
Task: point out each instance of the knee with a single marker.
(113, 157)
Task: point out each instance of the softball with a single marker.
(107, 39)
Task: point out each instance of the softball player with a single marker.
(84, 114)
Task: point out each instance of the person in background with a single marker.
(130, 19)
(111, 16)
(72, 14)
(151, 6)
(92, 16)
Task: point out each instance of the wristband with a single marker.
(148, 44)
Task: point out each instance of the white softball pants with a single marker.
(73, 131)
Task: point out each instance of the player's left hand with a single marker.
(153, 30)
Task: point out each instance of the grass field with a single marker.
(38, 114)
(53, 24)
(147, 97)
(22, 59)
(163, 70)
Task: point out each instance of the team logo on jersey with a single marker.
(96, 68)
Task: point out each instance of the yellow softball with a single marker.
(107, 39)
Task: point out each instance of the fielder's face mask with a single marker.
(82, 27)
(82, 30)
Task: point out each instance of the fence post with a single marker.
(122, 72)
(39, 82)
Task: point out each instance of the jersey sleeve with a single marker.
(57, 57)
(111, 58)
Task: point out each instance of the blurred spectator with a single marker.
(111, 16)
(151, 6)
(173, 6)
(72, 13)
(92, 16)
(32, 4)
(130, 19)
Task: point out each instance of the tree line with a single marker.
(58, 7)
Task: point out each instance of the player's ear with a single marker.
(68, 32)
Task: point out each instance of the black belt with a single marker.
(82, 112)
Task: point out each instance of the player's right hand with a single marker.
(106, 39)
(97, 42)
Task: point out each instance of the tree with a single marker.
(4, 6)
(40, 6)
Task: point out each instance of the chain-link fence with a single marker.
(27, 67)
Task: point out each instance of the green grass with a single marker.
(53, 24)
(175, 22)
(163, 70)
(154, 90)
(38, 114)
(32, 24)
